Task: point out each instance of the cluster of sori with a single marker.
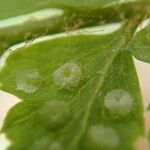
(56, 114)
(65, 77)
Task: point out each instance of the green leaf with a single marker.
(17, 7)
(140, 44)
(29, 26)
(148, 108)
(14, 28)
(64, 81)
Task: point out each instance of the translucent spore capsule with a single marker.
(46, 144)
(118, 102)
(41, 144)
(103, 137)
(55, 146)
(67, 76)
(27, 81)
(55, 114)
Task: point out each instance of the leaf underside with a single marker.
(105, 61)
(105, 67)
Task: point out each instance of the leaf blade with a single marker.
(104, 68)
